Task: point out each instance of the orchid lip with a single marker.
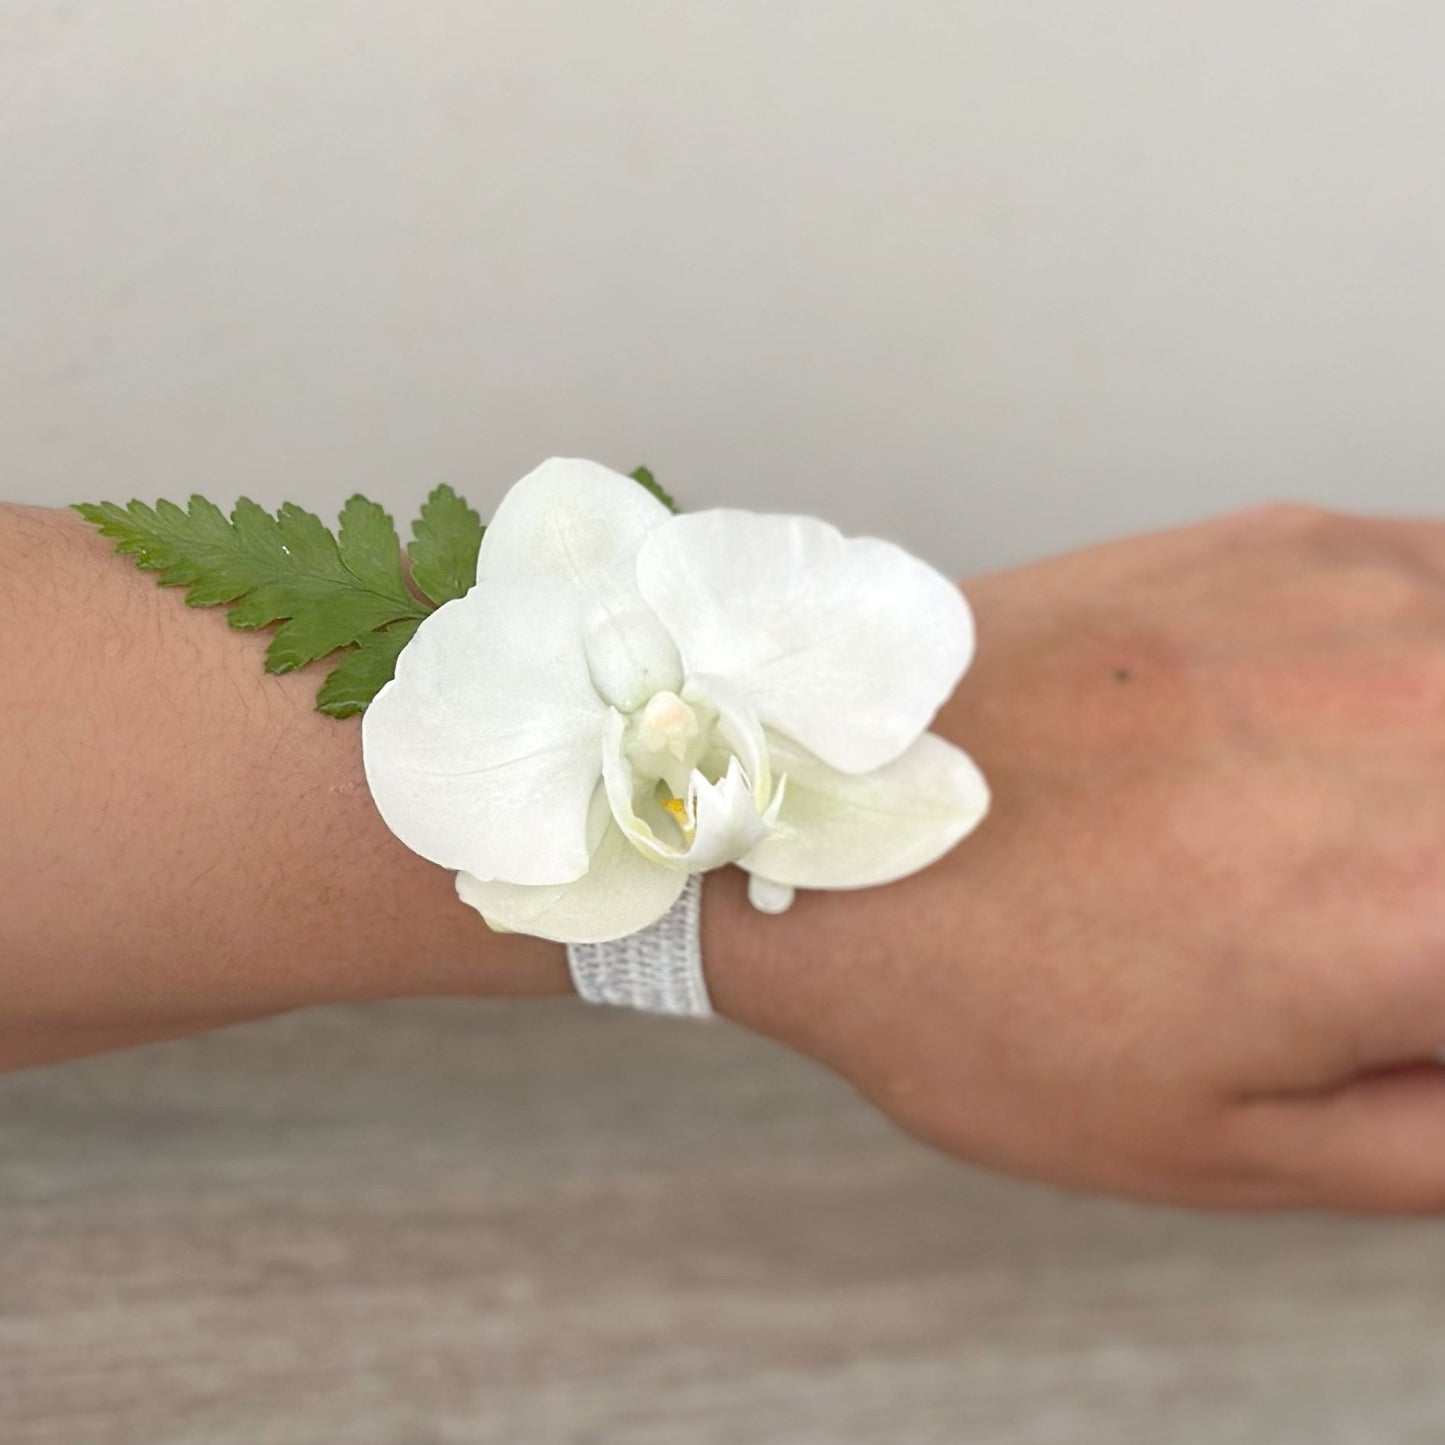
(679, 788)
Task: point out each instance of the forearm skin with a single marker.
(184, 840)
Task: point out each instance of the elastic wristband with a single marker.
(657, 970)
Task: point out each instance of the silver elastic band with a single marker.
(658, 969)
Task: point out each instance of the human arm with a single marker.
(1205, 913)
(184, 841)
(1196, 952)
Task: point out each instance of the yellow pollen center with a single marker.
(678, 809)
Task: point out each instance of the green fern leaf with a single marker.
(364, 670)
(286, 570)
(444, 543)
(643, 476)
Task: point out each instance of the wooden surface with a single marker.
(445, 1223)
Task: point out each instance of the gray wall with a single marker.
(994, 278)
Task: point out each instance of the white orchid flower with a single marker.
(626, 697)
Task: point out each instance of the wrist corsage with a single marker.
(591, 702)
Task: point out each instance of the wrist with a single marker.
(797, 977)
(779, 975)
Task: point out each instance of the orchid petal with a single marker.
(571, 519)
(483, 752)
(619, 894)
(842, 830)
(583, 523)
(847, 645)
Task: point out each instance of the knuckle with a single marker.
(1296, 519)
(1307, 1173)
(1352, 571)
(1387, 588)
(1195, 1151)
(1400, 619)
(1413, 1197)
(1353, 540)
(1220, 1158)
(1253, 1149)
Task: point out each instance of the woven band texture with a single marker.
(657, 970)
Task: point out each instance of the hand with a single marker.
(1196, 953)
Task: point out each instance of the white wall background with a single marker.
(993, 278)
